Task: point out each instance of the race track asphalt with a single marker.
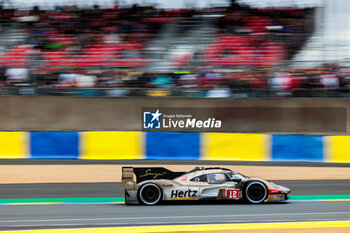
(62, 190)
(15, 217)
(115, 189)
(108, 215)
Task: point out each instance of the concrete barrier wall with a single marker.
(103, 145)
(52, 113)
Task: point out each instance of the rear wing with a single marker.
(148, 173)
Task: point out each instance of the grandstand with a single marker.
(238, 51)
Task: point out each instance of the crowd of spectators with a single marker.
(71, 36)
(105, 48)
(206, 80)
(286, 27)
(75, 29)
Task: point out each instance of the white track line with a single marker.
(164, 217)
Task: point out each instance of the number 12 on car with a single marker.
(232, 194)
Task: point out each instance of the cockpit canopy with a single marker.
(218, 177)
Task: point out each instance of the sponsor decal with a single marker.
(183, 194)
(155, 119)
(192, 123)
(278, 197)
(151, 120)
(167, 185)
(232, 194)
(149, 172)
(184, 178)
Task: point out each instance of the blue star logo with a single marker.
(152, 120)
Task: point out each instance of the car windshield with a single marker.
(236, 175)
(232, 173)
(243, 175)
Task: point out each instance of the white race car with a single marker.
(151, 185)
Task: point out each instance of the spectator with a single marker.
(162, 81)
(330, 81)
(85, 80)
(67, 79)
(17, 74)
(280, 81)
(188, 81)
(219, 92)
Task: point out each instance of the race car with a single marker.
(151, 185)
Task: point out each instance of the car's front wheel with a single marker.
(256, 192)
(150, 194)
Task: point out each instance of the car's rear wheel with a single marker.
(150, 194)
(256, 192)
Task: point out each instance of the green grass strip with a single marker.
(121, 199)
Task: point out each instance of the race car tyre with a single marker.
(149, 194)
(256, 192)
